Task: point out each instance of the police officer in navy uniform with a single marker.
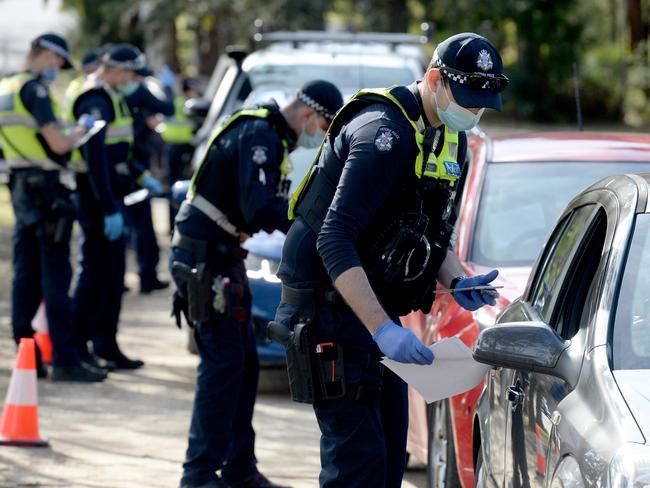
(370, 239)
(145, 107)
(106, 172)
(239, 189)
(37, 151)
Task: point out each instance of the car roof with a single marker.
(324, 54)
(571, 146)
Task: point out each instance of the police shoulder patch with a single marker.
(41, 91)
(259, 154)
(385, 139)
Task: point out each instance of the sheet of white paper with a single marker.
(453, 371)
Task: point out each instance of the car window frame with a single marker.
(556, 237)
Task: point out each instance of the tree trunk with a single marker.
(637, 24)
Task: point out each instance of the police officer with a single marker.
(238, 189)
(105, 174)
(37, 151)
(145, 107)
(178, 133)
(370, 239)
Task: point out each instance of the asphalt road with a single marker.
(130, 431)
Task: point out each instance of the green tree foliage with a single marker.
(542, 41)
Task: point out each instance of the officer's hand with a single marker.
(475, 299)
(86, 121)
(152, 184)
(400, 344)
(113, 226)
(167, 77)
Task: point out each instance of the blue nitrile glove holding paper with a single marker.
(167, 77)
(400, 344)
(113, 226)
(474, 299)
(86, 121)
(152, 184)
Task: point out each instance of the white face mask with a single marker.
(455, 117)
(311, 141)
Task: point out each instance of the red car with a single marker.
(517, 187)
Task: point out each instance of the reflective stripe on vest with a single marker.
(118, 131)
(443, 167)
(177, 129)
(18, 136)
(259, 113)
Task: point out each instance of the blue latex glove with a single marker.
(400, 344)
(167, 77)
(473, 300)
(179, 190)
(113, 226)
(86, 121)
(152, 184)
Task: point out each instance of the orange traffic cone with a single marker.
(19, 424)
(540, 468)
(42, 334)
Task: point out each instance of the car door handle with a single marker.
(515, 395)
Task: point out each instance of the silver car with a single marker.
(567, 403)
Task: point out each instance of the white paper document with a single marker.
(453, 371)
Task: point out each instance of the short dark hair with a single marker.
(35, 50)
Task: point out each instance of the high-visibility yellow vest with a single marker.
(442, 167)
(119, 131)
(18, 128)
(260, 113)
(177, 129)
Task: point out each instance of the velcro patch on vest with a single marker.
(259, 154)
(385, 139)
(453, 168)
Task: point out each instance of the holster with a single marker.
(316, 370)
(199, 289)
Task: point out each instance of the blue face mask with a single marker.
(311, 141)
(455, 117)
(50, 74)
(129, 88)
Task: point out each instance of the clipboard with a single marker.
(93, 131)
(469, 288)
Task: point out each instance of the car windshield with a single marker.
(520, 202)
(631, 337)
(346, 76)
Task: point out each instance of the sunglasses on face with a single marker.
(476, 81)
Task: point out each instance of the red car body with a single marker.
(447, 318)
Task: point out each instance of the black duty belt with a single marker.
(307, 299)
(201, 248)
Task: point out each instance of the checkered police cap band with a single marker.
(133, 64)
(474, 81)
(310, 102)
(45, 44)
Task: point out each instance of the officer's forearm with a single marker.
(354, 287)
(450, 269)
(57, 141)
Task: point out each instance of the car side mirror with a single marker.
(196, 109)
(526, 346)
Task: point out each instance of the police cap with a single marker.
(473, 68)
(56, 44)
(91, 58)
(322, 96)
(126, 56)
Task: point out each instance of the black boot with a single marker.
(78, 373)
(120, 360)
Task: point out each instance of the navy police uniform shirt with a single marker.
(35, 96)
(241, 177)
(95, 152)
(379, 151)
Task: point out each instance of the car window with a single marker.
(516, 210)
(580, 279)
(631, 327)
(558, 252)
